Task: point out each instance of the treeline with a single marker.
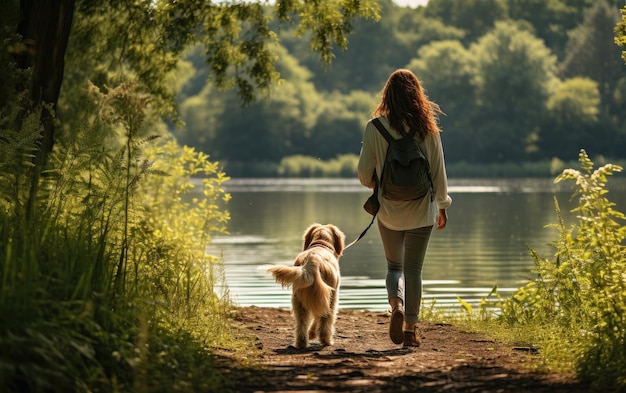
(519, 81)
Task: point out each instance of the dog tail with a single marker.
(318, 293)
(288, 276)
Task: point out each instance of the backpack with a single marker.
(406, 171)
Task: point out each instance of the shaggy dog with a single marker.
(314, 280)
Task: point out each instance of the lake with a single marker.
(491, 223)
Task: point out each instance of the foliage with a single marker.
(574, 112)
(146, 40)
(344, 165)
(17, 147)
(108, 287)
(474, 17)
(551, 20)
(591, 39)
(304, 166)
(447, 68)
(514, 78)
(496, 76)
(370, 37)
(576, 304)
(620, 33)
(107, 42)
(9, 43)
(465, 169)
(293, 119)
(175, 228)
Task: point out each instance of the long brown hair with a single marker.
(404, 101)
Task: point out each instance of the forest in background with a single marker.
(524, 84)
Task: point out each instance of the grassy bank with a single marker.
(105, 284)
(573, 311)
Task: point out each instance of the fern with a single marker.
(19, 142)
(117, 238)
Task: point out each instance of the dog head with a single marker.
(327, 234)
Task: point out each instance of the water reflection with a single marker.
(485, 244)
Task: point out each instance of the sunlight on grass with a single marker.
(573, 311)
(108, 286)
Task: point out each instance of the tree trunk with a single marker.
(45, 28)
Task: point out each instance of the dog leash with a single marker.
(362, 233)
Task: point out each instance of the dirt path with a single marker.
(363, 359)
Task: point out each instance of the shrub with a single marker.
(305, 166)
(576, 305)
(107, 286)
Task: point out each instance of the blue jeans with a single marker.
(405, 252)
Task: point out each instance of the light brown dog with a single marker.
(314, 279)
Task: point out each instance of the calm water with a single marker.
(491, 222)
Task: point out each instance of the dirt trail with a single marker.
(363, 359)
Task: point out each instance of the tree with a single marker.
(475, 17)
(44, 29)
(143, 40)
(514, 76)
(446, 70)
(417, 30)
(572, 119)
(551, 19)
(591, 51)
(294, 119)
(369, 60)
(338, 129)
(264, 130)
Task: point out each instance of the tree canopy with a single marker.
(499, 107)
(54, 47)
(499, 78)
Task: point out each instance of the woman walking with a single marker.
(405, 226)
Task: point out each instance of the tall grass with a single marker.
(574, 309)
(108, 287)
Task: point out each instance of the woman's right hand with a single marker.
(442, 219)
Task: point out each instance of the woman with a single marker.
(405, 226)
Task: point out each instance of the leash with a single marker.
(362, 234)
(375, 197)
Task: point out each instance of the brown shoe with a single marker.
(396, 320)
(412, 338)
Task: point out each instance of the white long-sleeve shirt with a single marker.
(403, 215)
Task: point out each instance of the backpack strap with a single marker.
(381, 128)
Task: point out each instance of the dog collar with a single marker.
(324, 244)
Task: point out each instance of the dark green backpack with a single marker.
(406, 171)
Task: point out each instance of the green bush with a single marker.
(107, 286)
(575, 308)
(304, 166)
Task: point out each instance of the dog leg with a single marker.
(303, 320)
(327, 329)
(313, 329)
(327, 323)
